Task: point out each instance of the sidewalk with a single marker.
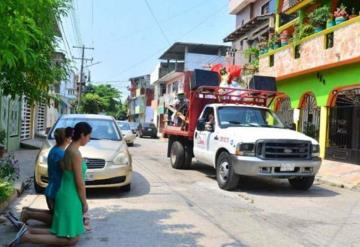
(340, 174)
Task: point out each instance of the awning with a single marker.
(249, 26)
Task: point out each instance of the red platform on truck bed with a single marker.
(203, 96)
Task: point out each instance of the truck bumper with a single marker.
(253, 166)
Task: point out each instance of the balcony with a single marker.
(338, 45)
(236, 5)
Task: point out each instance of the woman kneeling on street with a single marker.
(67, 221)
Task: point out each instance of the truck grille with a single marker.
(283, 149)
(94, 163)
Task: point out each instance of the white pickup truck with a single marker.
(244, 139)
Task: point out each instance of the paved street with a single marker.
(168, 207)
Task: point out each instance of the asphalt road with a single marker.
(168, 207)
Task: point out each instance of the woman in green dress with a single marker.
(67, 224)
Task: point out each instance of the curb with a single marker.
(18, 190)
(337, 183)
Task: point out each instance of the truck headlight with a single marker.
(245, 149)
(315, 150)
(121, 160)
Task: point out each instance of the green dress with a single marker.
(68, 215)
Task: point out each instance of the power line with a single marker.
(157, 22)
(67, 46)
(208, 17)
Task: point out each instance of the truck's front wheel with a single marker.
(178, 158)
(302, 183)
(226, 177)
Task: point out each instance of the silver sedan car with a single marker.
(128, 134)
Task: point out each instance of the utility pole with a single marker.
(83, 48)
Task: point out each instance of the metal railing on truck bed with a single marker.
(206, 95)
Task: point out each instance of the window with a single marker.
(231, 116)
(265, 9)
(297, 52)
(101, 129)
(271, 60)
(329, 40)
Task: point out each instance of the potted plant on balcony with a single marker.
(319, 17)
(353, 13)
(284, 38)
(263, 46)
(340, 14)
(330, 21)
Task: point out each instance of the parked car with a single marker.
(128, 134)
(148, 129)
(106, 155)
(135, 127)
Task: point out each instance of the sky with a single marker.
(128, 39)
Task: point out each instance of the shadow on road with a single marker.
(266, 186)
(139, 187)
(136, 145)
(115, 226)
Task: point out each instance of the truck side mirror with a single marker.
(292, 126)
(200, 125)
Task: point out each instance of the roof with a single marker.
(248, 26)
(177, 50)
(88, 116)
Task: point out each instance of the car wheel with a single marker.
(226, 177)
(302, 183)
(125, 188)
(177, 155)
(38, 188)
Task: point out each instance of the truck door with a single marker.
(202, 138)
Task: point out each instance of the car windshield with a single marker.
(248, 117)
(149, 125)
(123, 125)
(101, 128)
(134, 125)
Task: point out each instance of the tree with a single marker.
(27, 47)
(91, 103)
(103, 98)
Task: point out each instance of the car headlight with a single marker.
(122, 160)
(245, 149)
(43, 159)
(315, 150)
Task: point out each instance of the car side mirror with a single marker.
(200, 125)
(292, 126)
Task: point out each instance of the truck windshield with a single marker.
(248, 117)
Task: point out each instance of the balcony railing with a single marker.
(338, 44)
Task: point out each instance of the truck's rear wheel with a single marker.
(177, 155)
(226, 177)
(302, 183)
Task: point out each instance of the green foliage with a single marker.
(301, 31)
(102, 98)
(9, 168)
(27, 47)
(91, 103)
(6, 189)
(319, 16)
(252, 53)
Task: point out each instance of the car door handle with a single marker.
(196, 134)
(216, 137)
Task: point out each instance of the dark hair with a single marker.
(81, 128)
(69, 132)
(59, 135)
